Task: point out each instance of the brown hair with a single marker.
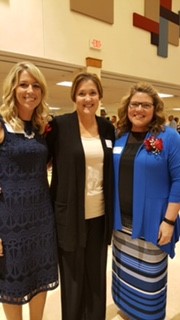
(158, 120)
(85, 76)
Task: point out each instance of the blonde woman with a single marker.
(28, 265)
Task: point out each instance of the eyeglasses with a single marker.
(144, 105)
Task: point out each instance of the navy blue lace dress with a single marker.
(27, 229)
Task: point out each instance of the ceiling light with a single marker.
(165, 95)
(176, 109)
(54, 108)
(64, 83)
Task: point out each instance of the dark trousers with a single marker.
(83, 276)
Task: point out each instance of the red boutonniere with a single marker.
(153, 145)
(47, 129)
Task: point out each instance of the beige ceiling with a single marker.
(115, 85)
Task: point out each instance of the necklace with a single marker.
(29, 136)
(28, 130)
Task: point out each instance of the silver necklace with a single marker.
(29, 136)
(28, 130)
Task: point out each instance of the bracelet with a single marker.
(172, 223)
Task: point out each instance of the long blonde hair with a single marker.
(9, 110)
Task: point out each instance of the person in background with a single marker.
(117, 131)
(178, 124)
(103, 113)
(147, 202)
(28, 253)
(172, 122)
(114, 120)
(82, 191)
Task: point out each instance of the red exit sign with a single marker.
(95, 44)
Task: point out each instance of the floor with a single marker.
(52, 309)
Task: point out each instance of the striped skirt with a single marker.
(139, 285)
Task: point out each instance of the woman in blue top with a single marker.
(147, 202)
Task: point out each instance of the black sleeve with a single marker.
(51, 138)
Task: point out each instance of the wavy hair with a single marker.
(9, 109)
(158, 120)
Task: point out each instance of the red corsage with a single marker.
(47, 129)
(153, 145)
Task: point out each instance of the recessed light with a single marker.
(64, 83)
(165, 95)
(54, 108)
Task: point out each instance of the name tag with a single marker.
(117, 150)
(108, 143)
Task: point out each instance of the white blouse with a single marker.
(94, 197)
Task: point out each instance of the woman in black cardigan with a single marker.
(81, 145)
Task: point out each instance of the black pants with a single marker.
(83, 276)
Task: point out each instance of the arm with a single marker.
(1, 140)
(1, 133)
(166, 229)
(50, 140)
(1, 248)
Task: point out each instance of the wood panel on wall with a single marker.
(98, 9)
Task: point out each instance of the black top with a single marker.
(28, 127)
(126, 176)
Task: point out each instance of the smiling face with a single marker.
(87, 98)
(140, 116)
(28, 95)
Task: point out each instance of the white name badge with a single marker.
(108, 143)
(117, 150)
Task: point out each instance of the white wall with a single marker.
(21, 27)
(48, 29)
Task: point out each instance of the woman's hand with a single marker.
(1, 248)
(165, 233)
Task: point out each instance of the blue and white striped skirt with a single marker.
(139, 285)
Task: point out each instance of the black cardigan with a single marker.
(68, 178)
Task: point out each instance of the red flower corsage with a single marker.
(153, 145)
(47, 129)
